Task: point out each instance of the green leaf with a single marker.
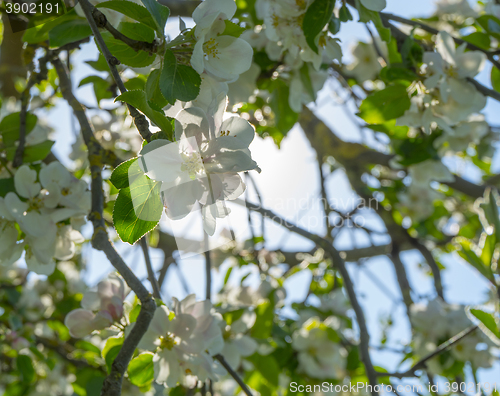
(318, 14)
(344, 14)
(488, 321)
(39, 33)
(120, 177)
(34, 153)
(479, 39)
(468, 254)
(137, 209)
(334, 25)
(178, 81)
(101, 87)
(495, 78)
(110, 343)
(385, 105)
(134, 313)
(153, 93)
(487, 207)
(9, 127)
(25, 367)
(285, 117)
(488, 249)
(141, 369)
(306, 81)
(138, 100)
(366, 15)
(232, 29)
(264, 321)
(111, 349)
(160, 14)
(228, 274)
(267, 366)
(6, 186)
(491, 24)
(100, 64)
(132, 10)
(125, 54)
(69, 32)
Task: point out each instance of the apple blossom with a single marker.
(107, 300)
(237, 344)
(180, 340)
(221, 56)
(319, 355)
(203, 164)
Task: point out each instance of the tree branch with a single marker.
(339, 263)
(430, 29)
(137, 45)
(402, 277)
(480, 87)
(234, 374)
(140, 120)
(208, 270)
(421, 364)
(149, 267)
(100, 240)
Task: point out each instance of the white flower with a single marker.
(242, 89)
(437, 322)
(462, 135)
(208, 322)
(81, 322)
(10, 250)
(236, 343)
(366, 65)
(457, 8)
(202, 165)
(418, 201)
(25, 182)
(318, 356)
(335, 302)
(447, 70)
(223, 57)
(180, 340)
(425, 172)
(64, 189)
(107, 300)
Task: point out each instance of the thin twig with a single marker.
(208, 270)
(402, 278)
(181, 277)
(140, 120)
(480, 87)
(421, 364)
(364, 343)
(436, 273)
(149, 267)
(64, 354)
(259, 198)
(432, 30)
(234, 374)
(136, 45)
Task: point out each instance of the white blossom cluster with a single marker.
(437, 322)
(49, 208)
